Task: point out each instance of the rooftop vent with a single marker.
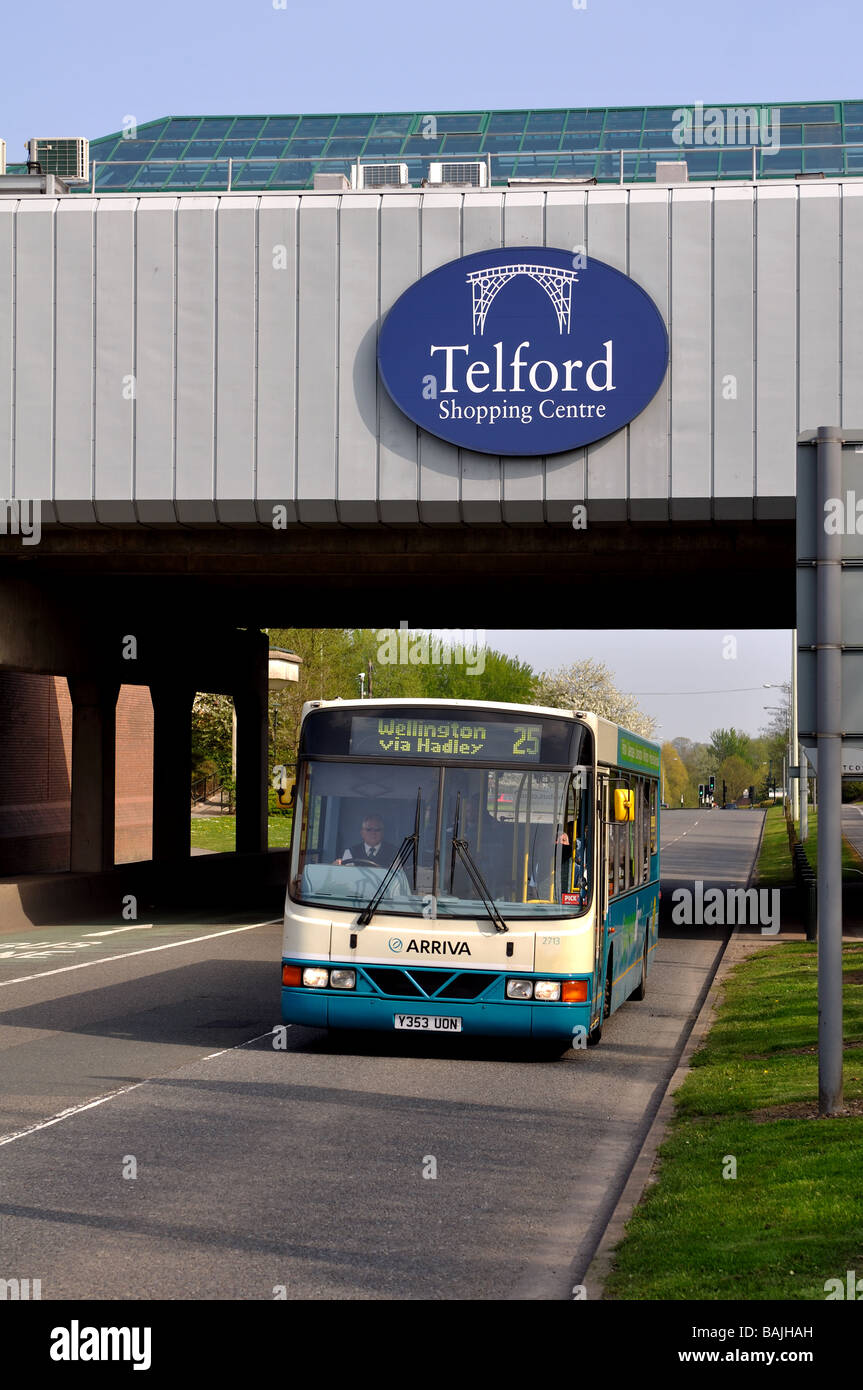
(672, 171)
(331, 183)
(467, 174)
(382, 175)
(68, 158)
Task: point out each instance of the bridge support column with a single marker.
(94, 706)
(172, 759)
(250, 702)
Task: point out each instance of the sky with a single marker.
(85, 68)
(728, 669)
(82, 68)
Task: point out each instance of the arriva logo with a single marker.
(439, 948)
(395, 943)
(572, 354)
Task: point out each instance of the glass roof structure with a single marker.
(211, 153)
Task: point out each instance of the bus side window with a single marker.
(646, 788)
(654, 786)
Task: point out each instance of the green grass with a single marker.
(219, 833)
(852, 864)
(793, 1216)
(774, 868)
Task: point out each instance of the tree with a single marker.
(675, 776)
(212, 730)
(587, 685)
(729, 743)
(737, 774)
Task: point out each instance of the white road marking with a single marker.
(112, 1095)
(145, 951)
(112, 931)
(678, 837)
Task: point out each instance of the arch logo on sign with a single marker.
(526, 350)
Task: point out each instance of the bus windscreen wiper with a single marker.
(462, 849)
(410, 842)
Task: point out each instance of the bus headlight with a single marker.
(315, 977)
(519, 989)
(546, 989)
(343, 979)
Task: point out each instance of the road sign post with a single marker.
(830, 692)
(829, 727)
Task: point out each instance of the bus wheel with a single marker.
(641, 989)
(595, 1034)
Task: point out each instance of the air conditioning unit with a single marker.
(672, 171)
(68, 158)
(382, 176)
(2, 156)
(466, 174)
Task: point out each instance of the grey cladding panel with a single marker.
(7, 340)
(154, 421)
(196, 366)
(277, 358)
(235, 359)
(246, 328)
(317, 405)
(34, 337)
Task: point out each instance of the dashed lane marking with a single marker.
(122, 1091)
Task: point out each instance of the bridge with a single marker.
(189, 391)
(487, 284)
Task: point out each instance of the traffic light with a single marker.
(712, 784)
(700, 791)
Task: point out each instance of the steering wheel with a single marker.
(369, 863)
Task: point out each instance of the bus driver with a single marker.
(372, 848)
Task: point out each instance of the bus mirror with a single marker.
(624, 804)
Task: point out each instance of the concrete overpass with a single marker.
(189, 392)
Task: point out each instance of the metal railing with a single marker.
(615, 160)
(205, 788)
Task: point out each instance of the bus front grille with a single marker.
(429, 984)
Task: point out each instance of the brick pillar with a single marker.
(94, 706)
(172, 762)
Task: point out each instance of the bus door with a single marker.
(603, 878)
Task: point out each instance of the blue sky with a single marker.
(729, 676)
(78, 69)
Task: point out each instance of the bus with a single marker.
(469, 867)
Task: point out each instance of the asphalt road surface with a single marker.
(155, 1145)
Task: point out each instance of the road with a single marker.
(154, 1144)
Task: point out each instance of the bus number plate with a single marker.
(434, 1023)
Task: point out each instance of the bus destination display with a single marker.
(452, 738)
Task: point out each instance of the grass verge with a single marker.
(852, 864)
(793, 1215)
(219, 833)
(774, 869)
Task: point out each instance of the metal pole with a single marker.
(754, 163)
(803, 832)
(93, 176)
(829, 726)
(621, 166)
(794, 741)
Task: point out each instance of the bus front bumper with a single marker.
(511, 1018)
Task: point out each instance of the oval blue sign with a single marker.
(528, 350)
